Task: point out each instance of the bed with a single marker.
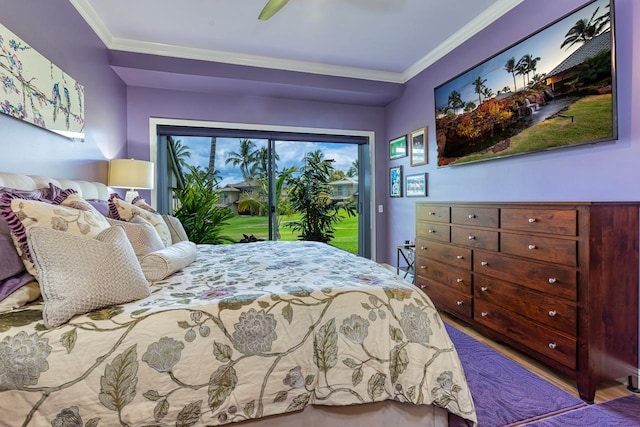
(265, 333)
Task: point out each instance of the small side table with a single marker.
(407, 252)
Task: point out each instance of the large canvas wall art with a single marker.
(36, 90)
(554, 89)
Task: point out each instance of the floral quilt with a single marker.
(246, 331)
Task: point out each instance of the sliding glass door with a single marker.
(253, 173)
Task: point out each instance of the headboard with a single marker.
(86, 189)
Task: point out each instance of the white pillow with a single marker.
(160, 264)
(175, 228)
(125, 211)
(141, 234)
(78, 274)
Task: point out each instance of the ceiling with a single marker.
(377, 40)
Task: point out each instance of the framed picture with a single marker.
(551, 90)
(398, 147)
(395, 181)
(418, 146)
(416, 185)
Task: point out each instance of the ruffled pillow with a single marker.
(78, 274)
(22, 214)
(178, 234)
(124, 211)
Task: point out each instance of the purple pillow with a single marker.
(39, 194)
(101, 206)
(10, 262)
(11, 284)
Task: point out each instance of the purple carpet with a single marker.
(621, 412)
(504, 392)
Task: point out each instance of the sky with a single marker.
(291, 154)
(544, 44)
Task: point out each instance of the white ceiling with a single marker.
(381, 40)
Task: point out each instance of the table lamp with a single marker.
(131, 174)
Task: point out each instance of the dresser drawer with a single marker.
(445, 298)
(559, 251)
(433, 213)
(434, 231)
(551, 343)
(555, 221)
(448, 254)
(452, 277)
(479, 239)
(554, 280)
(551, 311)
(469, 215)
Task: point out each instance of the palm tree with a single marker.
(244, 157)
(455, 100)
(469, 106)
(182, 152)
(212, 157)
(521, 70)
(478, 87)
(353, 169)
(529, 64)
(586, 29)
(511, 68)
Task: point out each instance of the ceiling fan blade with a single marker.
(271, 8)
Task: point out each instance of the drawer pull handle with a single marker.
(472, 237)
(484, 263)
(422, 286)
(459, 280)
(459, 302)
(552, 280)
(424, 248)
(552, 313)
(532, 247)
(532, 220)
(432, 230)
(432, 213)
(484, 289)
(472, 216)
(459, 257)
(552, 345)
(484, 314)
(423, 267)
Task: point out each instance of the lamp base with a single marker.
(131, 194)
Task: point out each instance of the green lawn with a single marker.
(591, 121)
(345, 236)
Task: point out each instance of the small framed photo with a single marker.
(416, 185)
(418, 146)
(395, 181)
(398, 147)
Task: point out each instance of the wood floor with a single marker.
(605, 391)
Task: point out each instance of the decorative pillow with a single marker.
(39, 194)
(160, 264)
(10, 262)
(141, 203)
(176, 229)
(141, 234)
(20, 297)
(22, 214)
(119, 209)
(101, 206)
(78, 274)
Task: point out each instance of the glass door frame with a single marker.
(367, 226)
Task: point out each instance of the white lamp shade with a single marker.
(130, 173)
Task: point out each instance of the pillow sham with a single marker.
(141, 234)
(21, 296)
(178, 234)
(78, 274)
(10, 262)
(160, 264)
(22, 214)
(142, 204)
(124, 211)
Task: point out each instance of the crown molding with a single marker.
(492, 13)
(480, 22)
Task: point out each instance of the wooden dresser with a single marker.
(558, 281)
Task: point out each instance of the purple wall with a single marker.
(607, 171)
(143, 103)
(57, 31)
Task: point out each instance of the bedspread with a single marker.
(246, 331)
